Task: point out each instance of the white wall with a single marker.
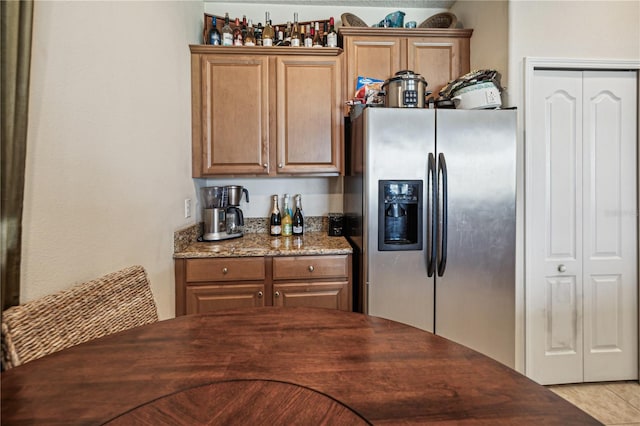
(109, 142)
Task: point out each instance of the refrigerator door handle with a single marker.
(442, 252)
(431, 216)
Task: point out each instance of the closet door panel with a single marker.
(554, 281)
(610, 218)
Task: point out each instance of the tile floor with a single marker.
(612, 403)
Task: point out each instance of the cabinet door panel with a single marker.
(438, 60)
(375, 57)
(209, 298)
(309, 129)
(329, 295)
(235, 90)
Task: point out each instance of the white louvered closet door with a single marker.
(581, 214)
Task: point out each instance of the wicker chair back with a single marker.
(115, 302)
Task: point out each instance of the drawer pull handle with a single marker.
(280, 165)
(260, 294)
(277, 294)
(225, 270)
(562, 268)
(265, 165)
(311, 268)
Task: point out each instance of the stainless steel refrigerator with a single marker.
(429, 201)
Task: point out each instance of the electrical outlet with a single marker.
(187, 208)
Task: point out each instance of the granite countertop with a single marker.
(262, 244)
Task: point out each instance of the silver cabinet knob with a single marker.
(562, 268)
(260, 294)
(311, 268)
(225, 270)
(277, 294)
(280, 165)
(265, 165)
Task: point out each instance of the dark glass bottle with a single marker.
(275, 224)
(298, 219)
(214, 34)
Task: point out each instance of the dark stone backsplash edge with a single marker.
(182, 238)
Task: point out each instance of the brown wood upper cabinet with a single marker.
(439, 55)
(266, 111)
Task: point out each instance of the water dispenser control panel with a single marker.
(400, 215)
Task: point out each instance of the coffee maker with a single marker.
(223, 218)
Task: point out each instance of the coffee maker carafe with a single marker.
(223, 218)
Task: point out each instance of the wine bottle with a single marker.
(287, 221)
(258, 32)
(244, 28)
(296, 38)
(279, 36)
(227, 32)
(308, 36)
(287, 35)
(317, 38)
(214, 34)
(332, 36)
(237, 34)
(267, 34)
(250, 39)
(275, 228)
(298, 221)
(324, 33)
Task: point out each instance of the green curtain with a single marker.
(15, 26)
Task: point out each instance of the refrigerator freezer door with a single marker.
(475, 298)
(397, 145)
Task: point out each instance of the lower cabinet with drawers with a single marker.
(211, 284)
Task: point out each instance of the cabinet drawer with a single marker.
(310, 267)
(225, 269)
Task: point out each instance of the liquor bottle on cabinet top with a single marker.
(275, 224)
(244, 27)
(250, 39)
(298, 220)
(287, 35)
(287, 220)
(267, 34)
(227, 32)
(296, 38)
(317, 38)
(279, 36)
(237, 34)
(332, 36)
(324, 34)
(214, 34)
(258, 33)
(308, 36)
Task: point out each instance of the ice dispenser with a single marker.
(400, 215)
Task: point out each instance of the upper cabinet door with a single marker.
(439, 60)
(235, 116)
(309, 119)
(372, 56)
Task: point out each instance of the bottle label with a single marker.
(276, 230)
(308, 42)
(332, 40)
(249, 43)
(295, 42)
(267, 42)
(215, 39)
(286, 230)
(238, 41)
(297, 230)
(227, 39)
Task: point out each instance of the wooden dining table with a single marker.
(271, 366)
